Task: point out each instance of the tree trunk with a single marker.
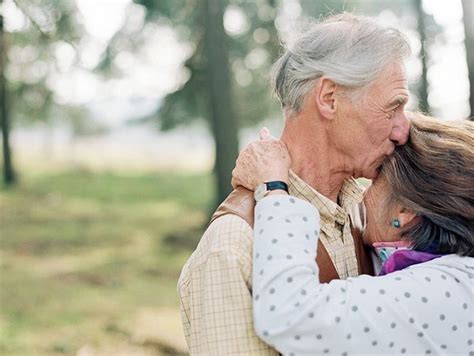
(468, 9)
(222, 116)
(423, 104)
(8, 172)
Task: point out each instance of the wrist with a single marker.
(275, 176)
(264, 189)
(277, 192)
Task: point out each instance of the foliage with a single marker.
(33, 63)
(190, 102)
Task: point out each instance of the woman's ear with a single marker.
(406, 216)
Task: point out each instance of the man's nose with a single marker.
(400, 129)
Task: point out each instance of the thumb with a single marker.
(265, 134)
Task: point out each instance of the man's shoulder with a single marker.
(226, 233)
(229, 237)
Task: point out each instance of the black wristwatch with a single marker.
(262, 190)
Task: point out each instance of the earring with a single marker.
(396, 223)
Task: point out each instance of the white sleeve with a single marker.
(296, 314)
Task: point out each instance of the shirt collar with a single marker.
(330, 212)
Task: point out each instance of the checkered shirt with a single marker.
(215, 284)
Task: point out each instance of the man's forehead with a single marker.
(397, 68)
(396, 83)
(392, 76)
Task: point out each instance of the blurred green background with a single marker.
(90, 261)
(121, 121)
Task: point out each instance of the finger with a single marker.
(265, 134)
(233, 183)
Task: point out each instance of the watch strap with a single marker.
(263, 189)
(275, 185)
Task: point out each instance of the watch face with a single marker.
(260, 192)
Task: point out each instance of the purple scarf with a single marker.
(403, 258)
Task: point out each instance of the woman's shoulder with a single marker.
(446, 269)
(464, 263)
(459, 269)
(422, 287)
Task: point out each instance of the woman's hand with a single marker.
(262, 161)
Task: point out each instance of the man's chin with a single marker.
(372, 173)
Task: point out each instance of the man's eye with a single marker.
(392, 112)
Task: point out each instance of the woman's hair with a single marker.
(433, 175)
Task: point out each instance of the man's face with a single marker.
(373, 126)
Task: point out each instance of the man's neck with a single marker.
(314, 159)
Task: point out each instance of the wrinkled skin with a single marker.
(262, 161)
(367, 130)
(268, 160)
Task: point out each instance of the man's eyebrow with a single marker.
(399, 100)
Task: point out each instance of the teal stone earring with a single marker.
(396, 223)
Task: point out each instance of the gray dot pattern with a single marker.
(395, 313)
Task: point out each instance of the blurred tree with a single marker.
(50, 26)
(227, 83)
(221, 107)
(423, 104)
(468, 17)
(8, 172)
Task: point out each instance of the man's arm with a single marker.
(216, 302)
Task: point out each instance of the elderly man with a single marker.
(343, 89)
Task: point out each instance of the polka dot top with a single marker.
(424, 309)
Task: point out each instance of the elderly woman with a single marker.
(420, 220)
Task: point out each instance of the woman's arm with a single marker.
(285, 275)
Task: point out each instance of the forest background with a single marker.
(121, 121)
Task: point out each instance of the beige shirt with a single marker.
(215, 284)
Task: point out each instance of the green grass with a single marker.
(83, 254)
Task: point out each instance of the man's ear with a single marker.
(324, 95)
(406, 216)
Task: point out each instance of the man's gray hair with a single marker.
(348, 49)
